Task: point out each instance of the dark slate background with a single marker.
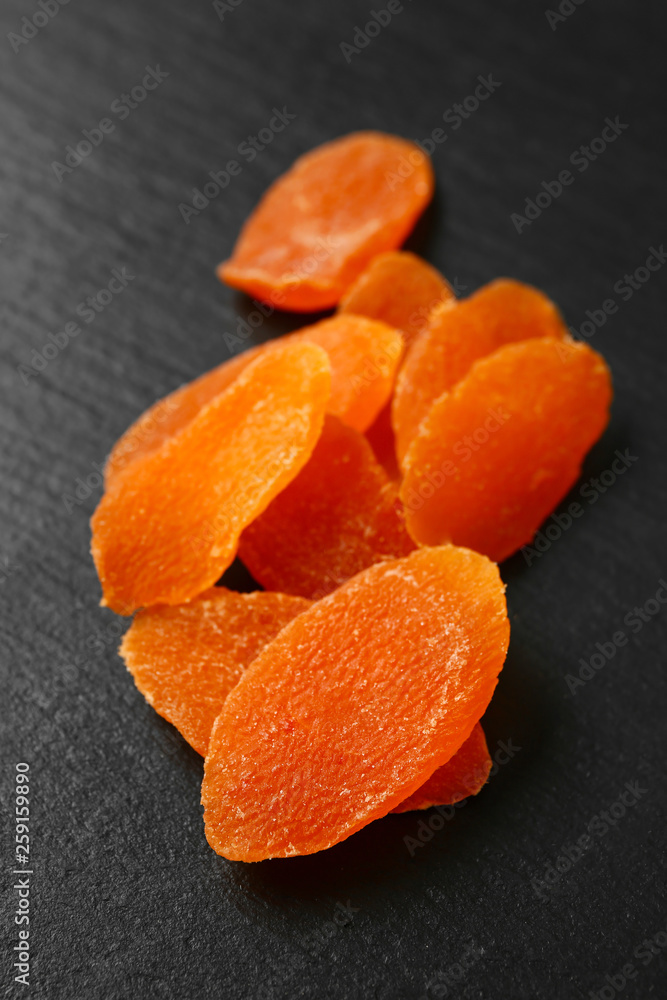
(128, 901)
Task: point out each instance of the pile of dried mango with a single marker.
(370, 470)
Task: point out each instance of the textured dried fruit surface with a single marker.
(495, 456)
(186, 659)
(464, 774)
(502, 312)
(169, 525)
(364, 357)
(340, 515)
(355, 704)
(399, 288)
(170, 415)
(319, 225)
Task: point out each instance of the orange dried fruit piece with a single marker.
(463, 775)
(496, 454)
(319, 225)
(455, 336)
(399, 288)
(340, 515)
(364, 355)
(169, 526)
(168, 416)
(355, 704)
(186, 659)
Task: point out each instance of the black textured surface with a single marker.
(127, 899)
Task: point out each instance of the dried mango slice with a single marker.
(319, 225)
(355, 704)
(364, 355)
(169, 525)
(495, 455)
(171, 414)
(340, 515)
(500, 313)
(186, 659)
(399, 288)
(464, 774)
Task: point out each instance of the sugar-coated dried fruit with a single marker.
(355, 704)
(186, 659)
(364, 356)
(500, 313)
(463, 775)
(168, 416)
(370, 469)
(399, 288)
(168, 526)
(319, 225)
(402, 290)
(340, 515)
(496, 454)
